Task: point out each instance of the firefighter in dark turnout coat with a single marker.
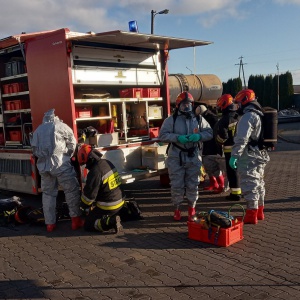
(225, 131)
(212, 154)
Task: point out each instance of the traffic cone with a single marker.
(212, 184)
(251, 216)
(260, 213)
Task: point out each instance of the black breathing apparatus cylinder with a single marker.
(270, 123)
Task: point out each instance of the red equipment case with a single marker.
(225, 238)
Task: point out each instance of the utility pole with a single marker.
(277, 66)
(241, 64)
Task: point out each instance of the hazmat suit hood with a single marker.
(53, 143)
(254, 106)
(49, 116)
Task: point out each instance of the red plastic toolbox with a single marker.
(83, 112)
(19, 87)
(17, 104)
(131, 93)
(154, 132)
(2, 142)
(151, 92)
(7, 88)
(15, 135)
(225, 238)
(14, 87)
(138, 132)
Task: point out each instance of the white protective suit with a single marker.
(184, 169)
(53, 143)
(251, 161)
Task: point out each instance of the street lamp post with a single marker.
(277, 66)
(154, 13)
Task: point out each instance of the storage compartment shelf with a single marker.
(93, 118)
(27, 110)
(14, 77)
(82, 101)
(151, 118)
(13, 143)
(15, 94)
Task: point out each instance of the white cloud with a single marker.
(17, 16)
(296, 77)
(37, 15)
(284, 2)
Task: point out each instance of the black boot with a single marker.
(113, 222)
(116, 224)
(233, 197)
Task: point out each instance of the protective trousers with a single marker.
(100, 220)
(69, 183)
(212, 165)
(184, 180)
(251, 166)
(232, 176)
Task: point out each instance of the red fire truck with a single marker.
(117, 82)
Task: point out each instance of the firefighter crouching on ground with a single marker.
(224, 132)
(53, 143)
(246, 156)
(185, 133)
(212, 154)
(102, 197)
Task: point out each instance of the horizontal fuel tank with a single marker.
(205, 88)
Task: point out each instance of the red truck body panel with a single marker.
(48, 68)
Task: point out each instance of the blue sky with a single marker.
(264, 32)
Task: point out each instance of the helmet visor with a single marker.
(186, 106)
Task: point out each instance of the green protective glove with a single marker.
(195, 137)
(232, 162)
(183, 139)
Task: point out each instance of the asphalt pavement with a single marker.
(154, 258)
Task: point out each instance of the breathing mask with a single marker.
(186, 108)
(239, 107)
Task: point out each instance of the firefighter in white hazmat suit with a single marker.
(53, 143)
(247, 157)
(185, 133)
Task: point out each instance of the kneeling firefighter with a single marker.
(185, 133)
(102, 197)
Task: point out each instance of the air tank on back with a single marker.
(205, 88)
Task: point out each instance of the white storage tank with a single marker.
(205, 88)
